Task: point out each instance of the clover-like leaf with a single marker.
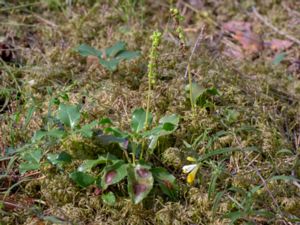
(113, 174)
(167, 125)
(54, 133)
(115, 49)
(87, 130)
(140, 182)
(82, 179)
(127, 55)
(69, 115)
(88, 165)
(86, 50)
(166, 181)
(112, 57)
(138, 120)
(59, 158)
(31, 160)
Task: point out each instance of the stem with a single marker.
(191, 89)
(148, 104)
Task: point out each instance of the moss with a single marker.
(58, 190)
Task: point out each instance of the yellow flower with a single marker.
(188, 168)
(191, 177)
(192, 171)
(191, 159)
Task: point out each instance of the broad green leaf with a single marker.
(278, 58)
(200, 95)
(32, 160)
(59, 158)
(109, 198)
(138, 120)
(127, 55)
(88, 165)
(55, 133)
(113, 174)
(86, 50)
(196, 91)
(140, 182)
(167, 125)
(111, 64)
(105, 121)
(87, 130)
(166, 181)
(82, 179)
(115, 49)
(116, 132)
(69, 115)
(106, 140)
(173, 119)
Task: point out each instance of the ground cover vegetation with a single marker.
(149, 112)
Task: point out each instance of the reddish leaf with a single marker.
(142, 172)
(251, 42)
(139, 188)
(92, 61)
(278, 45)
(234, 26)
(109, 177)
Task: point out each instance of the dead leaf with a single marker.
(92, 61)
(234, 26)
(242, 32)
(250, 41)
(279, 45)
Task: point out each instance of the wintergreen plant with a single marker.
(134, 165)
(127, 155)
(110, 57)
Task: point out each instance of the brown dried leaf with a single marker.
(250, 41)
(234, 26)
(279, 45)
(92, 61)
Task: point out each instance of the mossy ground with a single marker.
(258, 107)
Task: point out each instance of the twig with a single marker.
(267, 189)
(200, 37)
(43, 20)
(267, 23)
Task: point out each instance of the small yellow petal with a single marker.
(191, 159)
(191, 177)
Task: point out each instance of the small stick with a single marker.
(267, 23)
(200, 37)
